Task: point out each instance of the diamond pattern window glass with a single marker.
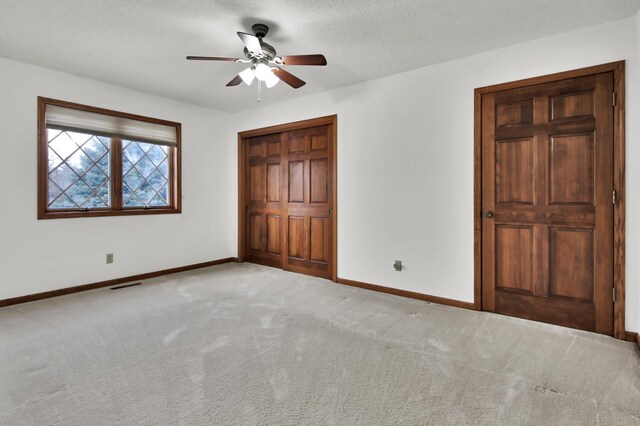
(78, 170)
(145, 174)
(97, 162)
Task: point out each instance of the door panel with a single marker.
(274, 234)
(256, 149)
(547, 173)
(572, 105)
(514, 171)
(273, 147)
(514, 258)
(297, 243)
(256, 231)
(258, 182)
(571, 174)
(319, 234)
(273, 183)
(509, 114)
(296, 181)
(318, 181)
(571, 257)
(319, 141)
(296, 142)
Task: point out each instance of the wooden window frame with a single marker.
(116, 209)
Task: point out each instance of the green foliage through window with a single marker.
(78, 170)
(145, 174)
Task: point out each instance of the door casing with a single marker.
(242, 136)
(617, 68)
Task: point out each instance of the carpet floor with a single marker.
(242, 344)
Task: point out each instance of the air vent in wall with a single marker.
(124, 286)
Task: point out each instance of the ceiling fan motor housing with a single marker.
(268, 52)
(260, 30)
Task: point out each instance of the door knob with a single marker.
(330, 211)
(488, 214)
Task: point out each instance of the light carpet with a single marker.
(242, 344)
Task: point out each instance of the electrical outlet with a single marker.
(109, 257)
(397, 265)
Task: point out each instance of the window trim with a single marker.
(175, 169)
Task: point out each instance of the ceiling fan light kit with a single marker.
(247, 76)
(265, 73)
(265, 65)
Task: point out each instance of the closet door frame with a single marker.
(331, 120)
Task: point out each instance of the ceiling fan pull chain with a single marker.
(259, 90)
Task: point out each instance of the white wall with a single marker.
(405, 173)
(405, 159)
(41, 255)
(633, 201)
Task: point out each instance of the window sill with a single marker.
(68, 214)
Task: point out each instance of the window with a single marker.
(96, 162)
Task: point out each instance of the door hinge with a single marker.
(614, 294)
(614, 98)
(613, 197)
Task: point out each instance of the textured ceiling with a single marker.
(141, 44)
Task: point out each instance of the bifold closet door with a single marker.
(308, 201)
(289, 200)
(263, 193)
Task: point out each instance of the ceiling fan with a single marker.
(264, 64)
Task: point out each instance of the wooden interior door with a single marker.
(287, 196)
(263, 197)
(308, 201)
(547, 202)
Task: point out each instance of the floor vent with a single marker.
(124, 286)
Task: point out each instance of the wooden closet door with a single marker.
(547, 187)
(263, 193)
(308, 201)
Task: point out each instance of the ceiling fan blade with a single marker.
(211, 58)
(236, 80)
(251, 42)
(304, 60)
(288, 78)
